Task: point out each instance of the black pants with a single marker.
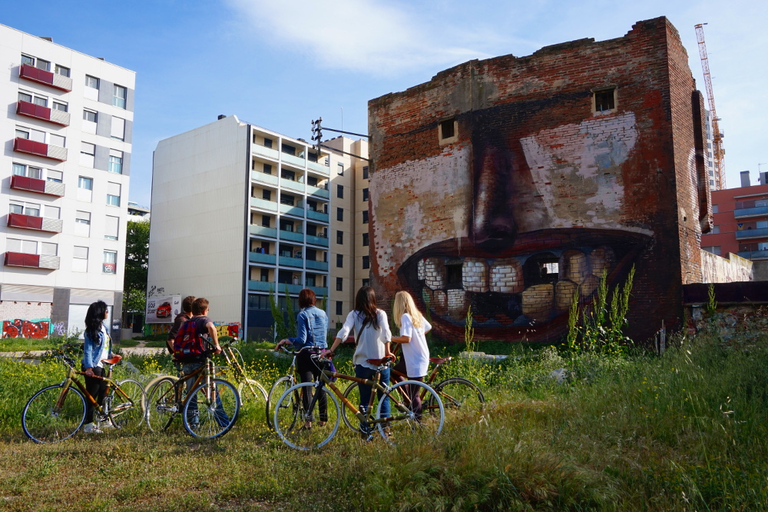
(97, 389)
(308, 371)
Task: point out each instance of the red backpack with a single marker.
(190, 342)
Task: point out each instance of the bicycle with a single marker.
(57, 412)
(294, 425)
(250, 391)
(281, 385)
(455, 392)
(208, 412)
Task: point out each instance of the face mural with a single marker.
(514, 224)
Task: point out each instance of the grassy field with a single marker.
(684, 431)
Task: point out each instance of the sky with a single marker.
(281, 64)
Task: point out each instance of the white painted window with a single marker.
(85, 189)
(55, 176)
(118, 128)
(49, 249)
(111, 227)
(60, 105)
(91, 90)
(52, 212)
(82, 223)
(79, 259)
(57, 140)
(87, 154)
(22, 246)
(119, 96)
(62, 70)
(115, 161)
(113, 194)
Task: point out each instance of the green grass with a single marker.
(680, 432)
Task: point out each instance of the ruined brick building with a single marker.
(512, 183)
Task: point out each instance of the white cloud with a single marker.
(358, 35)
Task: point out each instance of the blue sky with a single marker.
(280, 64)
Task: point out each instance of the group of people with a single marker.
(97, 346)
(373, 340)
(370, 325)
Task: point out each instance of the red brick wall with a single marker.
(535, 177)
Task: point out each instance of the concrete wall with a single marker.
(716, 269)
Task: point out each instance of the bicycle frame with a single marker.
(102, 410)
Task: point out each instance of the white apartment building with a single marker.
(65, 175)
(239, 212)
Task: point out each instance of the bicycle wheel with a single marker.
(406, 423)
(149, 386)
(252, 394)
(127, 412)
(162, 404)
(211, 410)
(292, 422)
(457, 394)
(352, 393)
(280, 386)
(50, 416)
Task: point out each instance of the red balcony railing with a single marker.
(25, 108)
(42, 76)
(50, 188)
(20, 259)
(39, 149)
(18, 220)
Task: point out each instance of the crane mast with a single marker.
(717, 137)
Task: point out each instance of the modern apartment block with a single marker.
(65, 175)
(239, 212)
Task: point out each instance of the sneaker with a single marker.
(104, 425)
(92, 428)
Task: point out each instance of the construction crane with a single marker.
(717, 137)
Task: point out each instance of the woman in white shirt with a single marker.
(413, 329)
(372, 336)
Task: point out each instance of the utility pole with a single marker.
(317, 136)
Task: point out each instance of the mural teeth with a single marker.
(434, 273)
(538, 302)
(421, 270)
(564, 292)
(458, 303)
(601, 260)
(574, 266)
(506, 276)
(474, 275)
(589, 286)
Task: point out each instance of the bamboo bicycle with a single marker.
(456, 393)
(300, 428)
(281, 385)
(251, 392)
(208, 412)
(57, 412)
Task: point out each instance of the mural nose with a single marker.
(493, 217)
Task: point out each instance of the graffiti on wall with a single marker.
(19, 328)
(223, 329)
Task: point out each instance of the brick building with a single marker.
(512, 183)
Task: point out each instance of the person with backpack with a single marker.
(186, 314)
(97, 345)
(312, 327)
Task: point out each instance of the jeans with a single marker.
(365, 392)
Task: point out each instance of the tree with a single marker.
(136, 267)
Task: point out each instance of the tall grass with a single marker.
(684, 431)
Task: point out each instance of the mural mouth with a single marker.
(520, 286)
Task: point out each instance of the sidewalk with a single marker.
(139, 350)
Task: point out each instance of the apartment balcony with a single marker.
(290, 235)
(319, 291)
(287, 261)
(261, 286)
(296, 211)
(319, 216)
(21, 221)
(754, 255)
(63, 83)
(292, 185)
(25, 108)
(262, 177)
(319, 168)
(317, 240)
(746, 234)
(263, 204)
(316, 192)
(50, 188)
(296, 161)
(264, 259)
(32, 147)
(20, 259)
(758, 211)
(269, 153)
(321, 266)
(263, 232)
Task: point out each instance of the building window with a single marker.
(366, 282)
(87, 154)
(91, 81)
(119, 96)
(115, 161)
(340, 260)
(365, 194)
(90, 116)
(266, 195)
(80, 259)
(111, 228)
(366, 262)
(605, 100)
(61, 70)
(49, 249)
(365, 216)
(714, 208)
(339, 284)
(267, 142)
(34, 61)
(33, 210)
(110, 262)
(82, 223)
(113, 194)
(365, 239)
(340, 214)
(60, 106)
(339, 237)
(340, 169)
(448, 131)
(33, 98)
(340, 191)
(267, 168)
(365, 172)
(22, 246)
(85, 183)
(339, 310)
(118, 128)
(28, 171)
(54, 176)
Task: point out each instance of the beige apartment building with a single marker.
(240, 212)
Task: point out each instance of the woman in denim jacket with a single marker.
(97, 346)
(312, 326)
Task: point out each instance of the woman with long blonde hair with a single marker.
(413, 329)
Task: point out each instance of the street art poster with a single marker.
(32, 329)
(226, 329)
(162, 309)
